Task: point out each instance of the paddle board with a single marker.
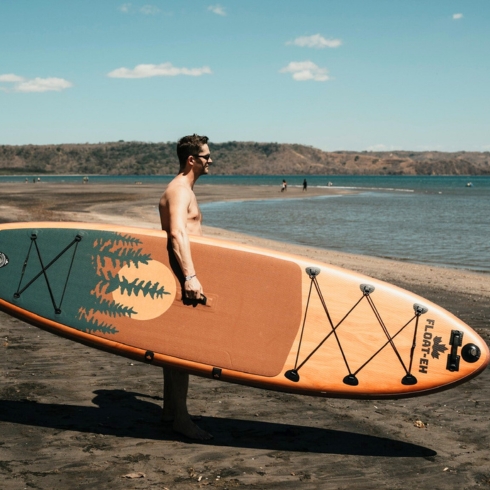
(269, 319)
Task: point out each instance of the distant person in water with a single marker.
(305, 185)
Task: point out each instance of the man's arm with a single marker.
(178, 202)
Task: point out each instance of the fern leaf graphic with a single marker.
(137, 286)
(106, 307)
(130, 288)
(93, 325)
(156, 290)
(126, 240)
(111, 252)
(121, 257)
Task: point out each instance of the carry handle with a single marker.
(205, 300)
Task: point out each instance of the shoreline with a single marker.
(137, 205)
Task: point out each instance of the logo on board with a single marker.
(3, 260)
(119, 275)
(431, 344)
(438, 348)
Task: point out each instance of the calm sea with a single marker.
(424, 219)
(431, 220)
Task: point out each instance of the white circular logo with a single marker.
(3, 259)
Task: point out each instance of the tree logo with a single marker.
(125, 282)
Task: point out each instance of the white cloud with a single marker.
(10, 77)
(217, 9)
(315, 41)
(149, 10)
(162, 70)
(20, 84)
(306, 70)
(457, 16)
(43, 85)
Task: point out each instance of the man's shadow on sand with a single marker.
(124, 414)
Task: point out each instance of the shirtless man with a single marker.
(181, 217)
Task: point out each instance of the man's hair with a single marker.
(189, 145)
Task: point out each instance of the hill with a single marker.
(233, 158)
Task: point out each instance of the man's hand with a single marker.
(193, 288)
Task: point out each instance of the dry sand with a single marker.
(73, 417)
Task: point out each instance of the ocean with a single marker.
(438, 220)
(423, 219)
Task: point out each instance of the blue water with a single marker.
(424, 219)
(431, 220)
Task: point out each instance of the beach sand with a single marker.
(73, 417)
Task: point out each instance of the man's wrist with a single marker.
(188, 278)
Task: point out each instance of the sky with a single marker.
(375, 75)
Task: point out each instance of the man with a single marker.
(180, 217)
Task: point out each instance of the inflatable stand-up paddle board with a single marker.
(269, 320)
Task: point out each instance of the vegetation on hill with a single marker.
(234, 158)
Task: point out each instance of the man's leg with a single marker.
(175, 387)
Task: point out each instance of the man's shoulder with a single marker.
(178, 189)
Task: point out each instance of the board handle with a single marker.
(206, 300)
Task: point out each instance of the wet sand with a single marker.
(73, 417)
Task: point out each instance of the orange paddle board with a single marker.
(270, 320)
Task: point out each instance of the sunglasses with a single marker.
(206, 157)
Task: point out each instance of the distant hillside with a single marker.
(232, 158)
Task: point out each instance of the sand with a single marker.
(73, 417)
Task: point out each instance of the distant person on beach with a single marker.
(305, 185)
(180, 217)
(284, 186)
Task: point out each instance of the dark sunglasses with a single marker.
(206, 157)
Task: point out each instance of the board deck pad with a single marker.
(270, 320)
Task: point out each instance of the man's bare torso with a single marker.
(179, 191)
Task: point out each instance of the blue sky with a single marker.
(333, 74)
